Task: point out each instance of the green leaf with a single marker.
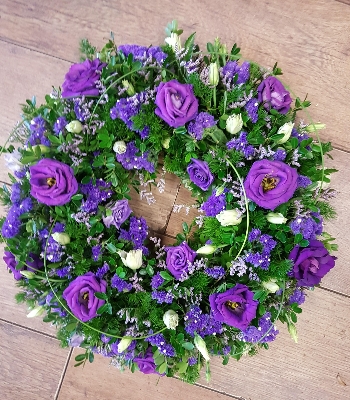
(298, 238)
(185, 227)
(81, 357)
(182, 367)
(188, 345)
(165, 275)
(111, 248)
(162, 368)
(91, 357)
(101, 295)
(304, 243)
(102, 309)
(189, 44)
(77, 196)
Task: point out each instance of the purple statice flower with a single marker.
(252, 109)
(231, 69)
(21, 173)
(96, 252)
(95, 193)
(202, 324)
(157, 281)
(54, 251)
(137, 233)
(266, 331)
(38, 129)
(216, 272)
(125, 109)
(59, 125)
(192, 361)
(144, 133)
(202, 121)
(214, 205)
(129, 160)
(300, 136)
(280, 155)
(241, 144)
(309, 226)
(162, 296)
(163, 347)
(141, 53)
(16, 193)
(119, 284)
(26, 205)
(254, 235)
(297, 296)
(81, 113)
(268, 243)
(12, 223)
(303, 181)
(105, 339)
(63, 272)
(102, 271)
(261, 260)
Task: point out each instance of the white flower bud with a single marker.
(229, 217)
(213, 74)
(234, 123)
(207, 249)
(315, 127)
(132, 259)
(13, 161)
(129, 87)
(36, 312)
(293, 332)
(28, 274)
(286, 130)
(271, 286)
(174, 41)
(166, 142)
(74, 127)
(119, 147)
(43, 149)
(171, 319)
(124, 343)
(276, 218)
(61, 238)
(201, 347)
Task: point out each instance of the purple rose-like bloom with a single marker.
(270, 183)
(235, 307)
(311, 264)
(178, 257)
(52, 182)
(32, 266)
(81, 79)
(176, 103)
(273, 94)
(146, 362)
(80, 296)
(200, 174)
(120, 213)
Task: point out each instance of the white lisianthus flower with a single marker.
(61, 238)
(229, 217)
(286, 130)
(74, 127)
(132, 259)
(213, 74)
(271, 286)
(171, 319)
(44, 149)
(201, 347)
(13, 161)
(35, 312)
(129, 87)
(119, 147)
(276, 218)
(174, 41)
(207, 249)
(124, 343)
(166, 142)
(234, 123)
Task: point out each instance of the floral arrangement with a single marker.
(229, 131)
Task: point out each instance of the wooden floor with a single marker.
(311, 41)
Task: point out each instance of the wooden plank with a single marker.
(99, 380)
(313, 52)
(31, 364)
(315, 368)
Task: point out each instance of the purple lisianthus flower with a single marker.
(311, 264)
(270, 183)
(80, 296)
(81, 79)
(32, 266)
(146, 362)
(52, 182)
(273, 94)
(120, 213)
(176, 103)
(235, 307)
(178, 257)
(200, 174)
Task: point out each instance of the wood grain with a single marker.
(31, 364)
(99, 380)
(311, 47)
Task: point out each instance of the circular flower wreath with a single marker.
(228, 130)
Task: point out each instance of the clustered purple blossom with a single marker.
(280, 155)
(130, 160)
(162, 296)
(192, 361)
(303, 181)
(202, 121)
(96, 252)
(266, 331)
(54, 251)
(300, 136)
(102, 271)
(252, 109)
(297, 296)
(63, 272)
(260, 259)
(157, 281)
(241, 144)
(202, 324)
(96, 193)
(128, 353)
(137, 233)
(216, 272)
(59, 125)
(232, 69)
(120, 284)
(141, 53)
(309, 226)
(214, 204)
(163, 347)
(38, 129)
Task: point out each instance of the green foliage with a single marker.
(87, 50)
(201, 91)
(200, 283)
